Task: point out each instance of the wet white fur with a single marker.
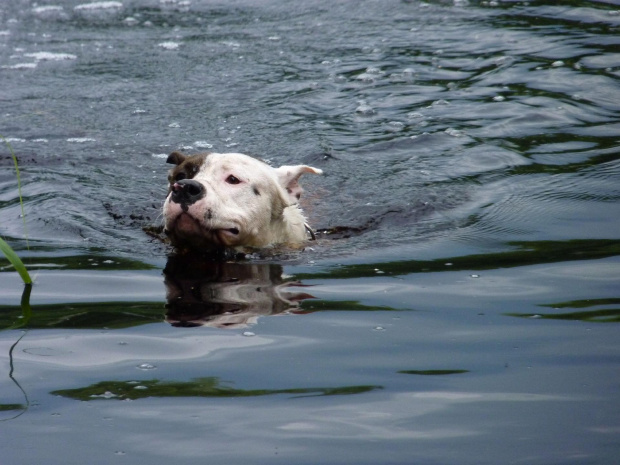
(270, 217)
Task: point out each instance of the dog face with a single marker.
(231, 200)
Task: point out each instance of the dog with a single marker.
(234, 201)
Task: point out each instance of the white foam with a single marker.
(80, 140)
(49, 56)
(47, 9)
(169, 45)
(202, 144)
(20, 66)
(50, 12)
(99, 6)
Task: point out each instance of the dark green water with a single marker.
(467, 310)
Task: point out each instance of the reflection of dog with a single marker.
(222, 200)
(225, 295)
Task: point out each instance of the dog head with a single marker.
(229, 200)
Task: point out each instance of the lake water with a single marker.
(461, 303)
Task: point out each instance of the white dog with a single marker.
(231, 200)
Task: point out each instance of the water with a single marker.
(460, 305)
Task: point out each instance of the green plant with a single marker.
(15, 261)
(6, 248)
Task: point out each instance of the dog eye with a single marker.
(232, 180)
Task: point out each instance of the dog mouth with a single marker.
(186, 225)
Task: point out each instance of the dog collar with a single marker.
(310, 231)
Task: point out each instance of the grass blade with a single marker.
(15, 261)
(6, 248)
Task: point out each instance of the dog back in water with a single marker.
(232, 200)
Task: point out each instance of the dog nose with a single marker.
(187, 192)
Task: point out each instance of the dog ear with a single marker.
(288, 177)
(176, 158)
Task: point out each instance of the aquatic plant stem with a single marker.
(6, 248)
(26, 406)
(15, 261)
(19, 186)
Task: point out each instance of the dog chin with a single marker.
(187, 229)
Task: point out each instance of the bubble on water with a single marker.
(249, 334)
(80, 140)
(49, 56)
(169, 45)
(20, 66)
(378, 328)
(557, 64)
(105, 395)
(440, 102)
(454, 132)
(43, 9)
(53, 12)
(130, 21)
(107, 5)
(395, 126)
(374, 70)
(365, 110)
(99, 10)
(499, 98)
(146, 366)
(415, 115)
(140, 387)
(274, 38)
(366, 77)
(474, 276)
(202, 144)
(614, 13)
(174, 125)
(535, 317)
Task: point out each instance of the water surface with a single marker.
(460, 305)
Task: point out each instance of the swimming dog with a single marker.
(233, 201)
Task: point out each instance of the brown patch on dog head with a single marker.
(187, 166)
(176, 158)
